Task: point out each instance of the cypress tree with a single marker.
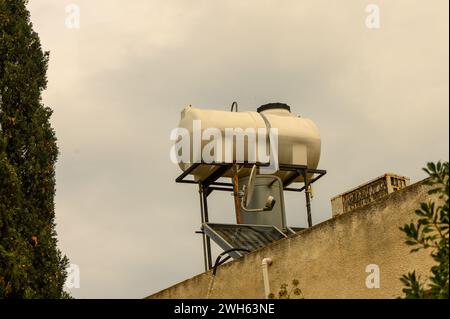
(31, 266)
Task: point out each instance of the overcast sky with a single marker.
(118, 83)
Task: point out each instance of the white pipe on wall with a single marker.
(266, 262)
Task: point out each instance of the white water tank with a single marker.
(298, 137)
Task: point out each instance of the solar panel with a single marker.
(250, 237)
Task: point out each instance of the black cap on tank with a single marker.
(272, 106)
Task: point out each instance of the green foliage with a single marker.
(431, 232)
(31, 266)
(286, 293)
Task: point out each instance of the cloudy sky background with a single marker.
(117, 86)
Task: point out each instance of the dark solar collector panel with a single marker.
(250, 237)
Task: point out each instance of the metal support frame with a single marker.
(210, 184)
(211, 180)
(204, 219)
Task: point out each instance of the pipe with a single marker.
(237, 200)
(266, 262)
(220, 261)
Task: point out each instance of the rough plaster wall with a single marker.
(328, 259)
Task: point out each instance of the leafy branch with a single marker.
(431, 232)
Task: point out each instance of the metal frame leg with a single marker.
(308, 201)
(208, 240)
(204, 219)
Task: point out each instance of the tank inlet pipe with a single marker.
(266, 262)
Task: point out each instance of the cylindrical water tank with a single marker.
(298, 137)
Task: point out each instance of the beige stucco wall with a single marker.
(328, 259)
